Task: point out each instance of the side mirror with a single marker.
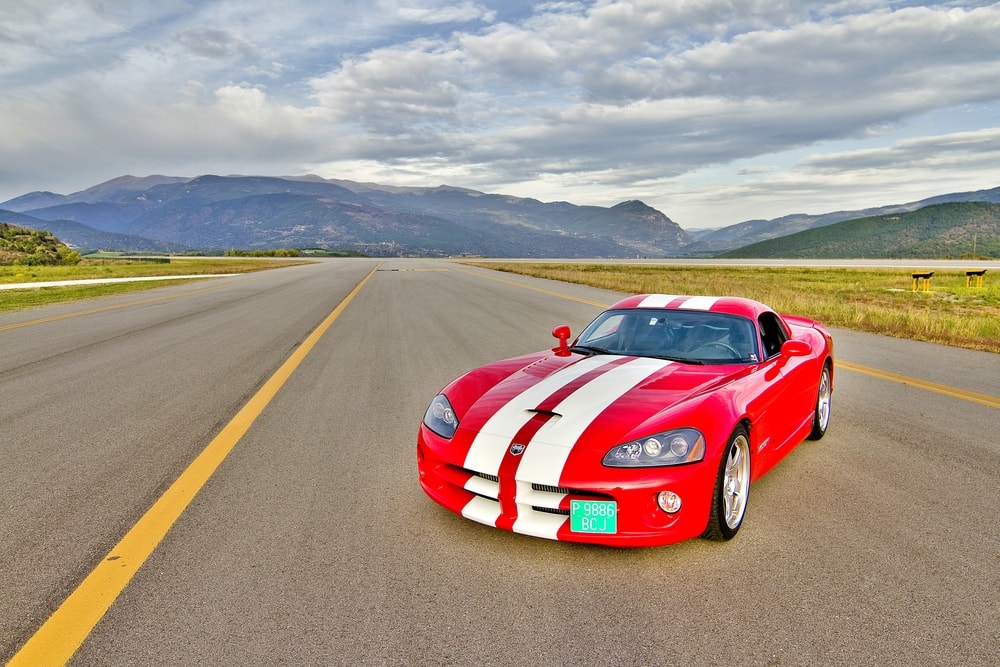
(562, 333)
(796, 348)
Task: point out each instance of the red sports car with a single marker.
(649, 429)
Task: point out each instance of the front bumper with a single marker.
(531, 508)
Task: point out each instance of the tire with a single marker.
(732, 489)
(821, 414)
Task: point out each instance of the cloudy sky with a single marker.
(713, 111)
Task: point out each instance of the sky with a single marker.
(712, 111)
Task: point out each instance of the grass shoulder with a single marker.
(19, 299)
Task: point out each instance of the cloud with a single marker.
(597, 100)
(435, 13)
(762, 91)
(209, 43)
(932, 153)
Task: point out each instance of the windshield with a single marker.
(683, 335)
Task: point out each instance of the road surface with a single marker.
(310, 542)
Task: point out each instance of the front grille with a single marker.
(578, 494)
(542, 498)
(550, 510)
(551, 489)
(555, 499)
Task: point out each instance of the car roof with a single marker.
(732, 305)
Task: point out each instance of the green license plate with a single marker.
(593, 516)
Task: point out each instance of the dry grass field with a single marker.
(875, 300)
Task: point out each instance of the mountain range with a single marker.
(177, 214)
(953, 229)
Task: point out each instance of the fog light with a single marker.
(669, 502)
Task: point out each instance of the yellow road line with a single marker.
(954, 392)
(69, 625)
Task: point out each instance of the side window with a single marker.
(772, 334)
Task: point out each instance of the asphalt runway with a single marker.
(311, 542)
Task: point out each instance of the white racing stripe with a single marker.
(493, 439)
(691, 303)
(543, 461)
(482, 487)
(482, 510)
(545, 457)
(536, 524)
(656, 300)
(699, 303)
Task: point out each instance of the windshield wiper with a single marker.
(683, 360)
(589, 349)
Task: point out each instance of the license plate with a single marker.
(593, 516)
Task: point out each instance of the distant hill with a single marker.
(113, 190)
(84, 238)
(941, 230)
(249, 212)
(19, 245)
(716, 241)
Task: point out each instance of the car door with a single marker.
(777, 406)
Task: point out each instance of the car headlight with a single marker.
(670, 448)
(440, 417)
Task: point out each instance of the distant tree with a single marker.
(278, 252)
(32, 247)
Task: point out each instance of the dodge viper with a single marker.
(646, 430)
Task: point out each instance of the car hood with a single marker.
(592, 402)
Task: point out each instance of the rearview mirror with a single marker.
(562, 333)
(795, 348)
